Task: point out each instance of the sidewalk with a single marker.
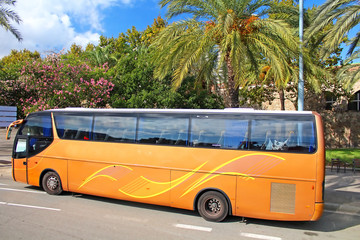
(5, 153)
(342, 190)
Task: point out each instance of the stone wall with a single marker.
(342, 129)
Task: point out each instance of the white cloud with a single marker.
(51, 25)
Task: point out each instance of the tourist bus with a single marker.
(241, 162)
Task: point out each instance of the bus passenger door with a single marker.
(20, 159)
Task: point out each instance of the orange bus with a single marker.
(258, 164)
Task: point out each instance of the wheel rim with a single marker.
(213, 206)
(52, 183)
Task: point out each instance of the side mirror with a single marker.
(8, 133)
(9, 129)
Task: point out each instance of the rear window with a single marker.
(289, 135)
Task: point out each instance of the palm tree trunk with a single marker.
(231, 97)
(282, 99)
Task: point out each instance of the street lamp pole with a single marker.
(301, 63)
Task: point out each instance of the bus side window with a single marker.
(114, 129)
(73, 126)
(271, 135)
(215, 132)
(290, 135)
(155, 129)
(182, 138)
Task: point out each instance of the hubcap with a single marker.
(52, 183)
(214, 205)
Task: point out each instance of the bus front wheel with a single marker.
(212, 206)
(51, 183)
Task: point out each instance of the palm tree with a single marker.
(337, 18)
(346, 13)
(101, 55)
(288, 11)
(6, 15)
(230, 36)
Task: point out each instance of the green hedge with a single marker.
(346, 155)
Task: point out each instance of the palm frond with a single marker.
(7, 15)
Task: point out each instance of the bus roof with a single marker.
(179, 111)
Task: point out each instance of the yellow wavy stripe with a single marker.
(91, 177)
(201, 180)
(238, 174)
(247, 155)
(134, 185)
(180, 179)
(217, 175)
(177, 182)
(106, 176)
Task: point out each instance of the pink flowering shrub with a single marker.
(51, 83)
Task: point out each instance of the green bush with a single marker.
(346, 155)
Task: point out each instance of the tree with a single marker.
(19, 57)
(10, 71)
(314, 71)
(135, 86)
(7, 15)
(101, 55)
(346, 14)
(151, 32)
(53, 83)
(336, 18)
(231, 36)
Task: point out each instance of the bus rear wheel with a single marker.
(212, 206)
(51, 183)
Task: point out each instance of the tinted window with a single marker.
(37, 125)
(38, 132)
(283, 135)
(73, 127)
(114, 129)
(208, 131)
(163, 130)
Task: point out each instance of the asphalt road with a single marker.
(27, 212)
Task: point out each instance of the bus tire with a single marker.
(212, 206)
(51, 183)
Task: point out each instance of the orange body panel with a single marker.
(156, 175)
(19, 170)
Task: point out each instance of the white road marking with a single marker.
(258, 236)
(19, 190)
(2, 184)
(29, 206)
(131, 219)
(192, 227)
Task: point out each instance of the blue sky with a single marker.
(53, 25)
